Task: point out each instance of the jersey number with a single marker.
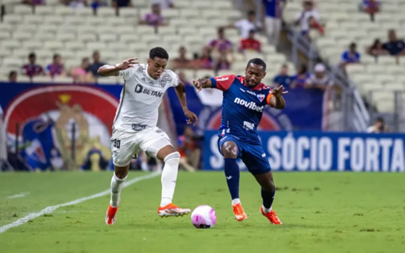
(116, 143)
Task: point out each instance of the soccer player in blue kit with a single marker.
(244, 99)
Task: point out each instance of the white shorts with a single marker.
(126, 144)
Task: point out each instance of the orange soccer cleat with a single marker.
(172, 210)
(271, 216)
(111, 215)
(240, 215)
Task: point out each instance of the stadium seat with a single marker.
(44, 10)
(23, 9)
(53, 45)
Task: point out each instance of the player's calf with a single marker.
(117, 183)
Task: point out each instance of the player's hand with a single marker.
(199, 83)
(192, 118)
(130, 63)
(279, 91)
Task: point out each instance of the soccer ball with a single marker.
(203, 217)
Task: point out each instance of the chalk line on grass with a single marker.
(50, 209)
(22, 194)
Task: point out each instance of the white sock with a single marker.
(266, 210)
(169, 177)
(235, 201)
(116, 187)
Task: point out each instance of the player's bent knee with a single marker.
(172, 156)
(230, 149)
(121, 171)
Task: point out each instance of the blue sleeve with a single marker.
(213, 82)
(344, 56)
(358, 55)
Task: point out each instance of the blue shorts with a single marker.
(252, 155)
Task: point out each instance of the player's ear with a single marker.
(264, 74)
(149, 61)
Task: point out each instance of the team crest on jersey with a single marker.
(165, 78)
(260, 97)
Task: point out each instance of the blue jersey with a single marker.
(242, 107)
(273, 8)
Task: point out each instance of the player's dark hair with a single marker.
(56, 56)
(257, 61)
(31, 55)
(159, 53)
(379, 119)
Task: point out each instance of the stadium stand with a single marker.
(76, 33)
(376, 78)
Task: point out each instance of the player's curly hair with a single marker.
(257, 61)
(158, 52)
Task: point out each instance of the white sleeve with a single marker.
(127, 73)
(370, 129)
(315, 15)
(238, 24)
(175, 79)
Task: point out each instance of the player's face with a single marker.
(254, 74)
(156, 67)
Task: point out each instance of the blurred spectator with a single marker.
(300, 80)
(394, 46)
(181, 62)
(56, 68)
(246, 25)
(205, 60)
(184, 80)
(272, 12)
(371, 7)
(12, 76)
(250, 43)
(34, 2)
(93, 68)
(164, 4)
(350, 56)
(283, 78)
(95, 4)
(32, 69)
(222, 63)
(376, 49)
(319, 80)
(220, 44)
(155, 18)
(378, 127)
(121, 3)
(187, 147)
(79, 73)
(75, 4)
(148, 163)
(307, 18)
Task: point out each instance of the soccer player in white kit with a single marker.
(135, 128)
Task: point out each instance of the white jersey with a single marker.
(141, 98)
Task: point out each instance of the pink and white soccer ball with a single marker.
(203, 217)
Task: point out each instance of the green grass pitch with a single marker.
(321, 212)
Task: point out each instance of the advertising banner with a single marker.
(321, 151)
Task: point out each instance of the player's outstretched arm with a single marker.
(109, 70)
(181, 94)
(276, 100)
(202, 83)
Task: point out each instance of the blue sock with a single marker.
(232, 177)
(268, 198)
